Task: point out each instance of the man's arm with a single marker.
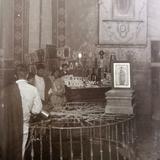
(37, 103)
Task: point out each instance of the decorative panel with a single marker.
(61, 24)
(123, 22)
(54, 22)
(25, 27)
(18, 30)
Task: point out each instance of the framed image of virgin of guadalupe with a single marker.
(121, 75)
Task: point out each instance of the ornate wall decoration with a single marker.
(18, 30)
(61, 23)
(25, 27)
(123, 29)
(123, 22)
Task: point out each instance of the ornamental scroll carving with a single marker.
(122, 22)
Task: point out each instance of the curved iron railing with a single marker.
(100, 137)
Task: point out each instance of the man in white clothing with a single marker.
(31, 101)
(42, 83)
(39, 81)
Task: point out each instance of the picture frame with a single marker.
(66, 52)
(121, 73)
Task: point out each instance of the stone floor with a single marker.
(148, 139)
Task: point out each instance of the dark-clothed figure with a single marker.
(31, 78)
(11, 123)
(18, 101)
(64, 70)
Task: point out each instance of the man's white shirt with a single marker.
(31, 102)
(40, 85)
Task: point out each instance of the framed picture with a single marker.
(121, 75)
(66, 52)
(60, 52)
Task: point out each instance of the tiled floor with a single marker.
(148, 139)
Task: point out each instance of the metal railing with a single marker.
(101, 137)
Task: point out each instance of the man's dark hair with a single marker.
(30, 75)
(21, 70)
(54, 70)
(40, 66)
(65, 64)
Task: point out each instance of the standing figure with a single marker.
(17, 103)
(58, 97)
(31, 78)
(42, 83)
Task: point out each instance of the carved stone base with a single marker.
(120, 101)
(119, 109)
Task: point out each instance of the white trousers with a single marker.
(25, 137)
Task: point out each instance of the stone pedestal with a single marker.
(120, 101)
